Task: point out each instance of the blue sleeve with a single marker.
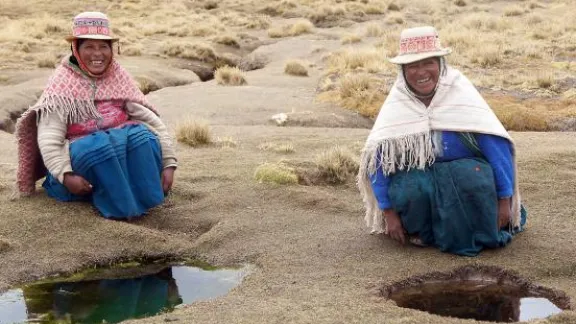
(380, 184)
(498, 152)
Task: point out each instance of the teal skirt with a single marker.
(124, 166)
(451, 205)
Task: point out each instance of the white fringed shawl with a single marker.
(403, 134)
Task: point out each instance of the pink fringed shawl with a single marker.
(71, 94)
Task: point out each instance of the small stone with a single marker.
(169, 319)
(280, 119)
(4, 245)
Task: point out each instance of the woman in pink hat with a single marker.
(438, 168)
(93, 134)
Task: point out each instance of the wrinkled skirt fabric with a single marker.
(123, 165)
(452, 205)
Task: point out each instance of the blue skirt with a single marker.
(451, 205)
(124, 166)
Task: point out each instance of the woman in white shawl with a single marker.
(438, 168)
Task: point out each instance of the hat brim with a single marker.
(102, 37)
(411, 58)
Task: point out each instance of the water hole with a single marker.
(117, 296)
(485, 294)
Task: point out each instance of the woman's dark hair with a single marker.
(80, 41)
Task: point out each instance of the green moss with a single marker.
(99, 272)
(200, 264)
(275, 173)
(50, 318)
(126, 265)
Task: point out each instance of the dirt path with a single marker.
(314, 260)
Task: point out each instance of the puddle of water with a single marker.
(115, 300)
(474, 300)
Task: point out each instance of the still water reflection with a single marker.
(115, 300)
(495, 303)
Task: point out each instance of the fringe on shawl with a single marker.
(421, 154)
(69, 110)
(30, 164)
(406, 152)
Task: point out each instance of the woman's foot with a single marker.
(415, 240)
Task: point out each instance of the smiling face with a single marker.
(422, 76)
(96, 55)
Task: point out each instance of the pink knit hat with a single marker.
(91, 25)
(419, 43)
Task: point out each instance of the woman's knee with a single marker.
(410, 188)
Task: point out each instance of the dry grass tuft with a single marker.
(536, 114)
(192, 51)
(296, 68)
(210, 4)
(327, 15)
(332, 167)
(258, 22)
(301, 27)
(546, 81)
(277, 32)
(228, 40)
(374, 9)
(393, 7)
(296, 29)
(483, 22)
(360, 92)
(350, 39)
(47, 61)
(367, 59)
(284, 148)
(226, 142)
(513, 11)
(337, 165)
(193, 133)
(535, 5)
(146, 85)
(374, 30)
(534, 19)
(277, 173)
(230, 76)
(522, 120)
(279, 8)
(538, 35)
(349, 82)
(133, 50)
(487, 57)
(395, 18)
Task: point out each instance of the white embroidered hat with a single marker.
(419, 43)
(91, 25)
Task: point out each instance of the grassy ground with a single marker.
(314, 259)
(504, 46)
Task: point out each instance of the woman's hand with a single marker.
(394, 225)
(504, 212)
(76, 184)
(167, 179)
